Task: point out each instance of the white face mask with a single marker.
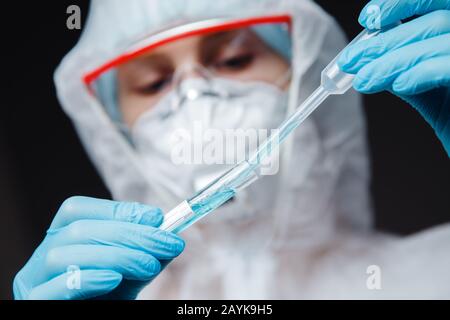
(238, 105)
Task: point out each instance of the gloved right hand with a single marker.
(411, 60)
(112, 248)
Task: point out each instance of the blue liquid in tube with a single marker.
(212, 202)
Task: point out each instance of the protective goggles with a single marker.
(257, 49)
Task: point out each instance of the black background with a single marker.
(42, 161)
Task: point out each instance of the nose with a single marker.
(207, 86)
(191, 71)
(188, 92)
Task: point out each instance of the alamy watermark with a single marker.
(225, 147)
(73, 21)
(373, 281)
(73, 281)
(373, 21)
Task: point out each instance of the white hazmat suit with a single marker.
(311, 236)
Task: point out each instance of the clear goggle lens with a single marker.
(254, 53)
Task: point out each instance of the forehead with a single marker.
(191, 47)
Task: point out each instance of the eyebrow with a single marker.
(151, 60)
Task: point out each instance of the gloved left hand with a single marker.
(98, 248)
(411, 60)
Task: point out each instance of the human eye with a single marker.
(155, 86)
(235, 62)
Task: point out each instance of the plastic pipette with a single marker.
(333, 81)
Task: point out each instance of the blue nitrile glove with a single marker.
(411, 60)
(97, 248)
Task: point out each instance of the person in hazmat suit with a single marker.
(147, 74)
